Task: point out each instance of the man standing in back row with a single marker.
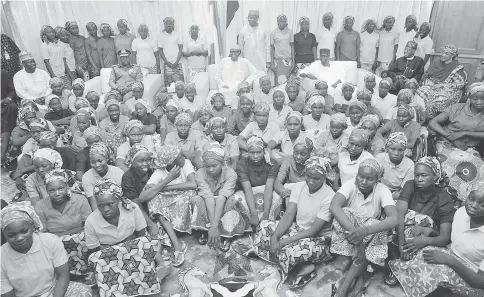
(255, 43)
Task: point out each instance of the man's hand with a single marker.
(414, 245)
(356, 236)
(437, 257)
(456, 135)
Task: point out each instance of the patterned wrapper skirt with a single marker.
(170, 74)
(312, 250)
(276, 210)
(126, 269)
(283, 67)
(419, 278)
(235, 219)
(67, 137)
(114, 140)
(74, 289)
(152, 69)
(75, 246)
(376, 244)
(193, 71)
(175, 207)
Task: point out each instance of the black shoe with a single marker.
(391, 280)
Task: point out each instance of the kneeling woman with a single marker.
(168, 193)
(46, 273)
(359, 232)
(285, 242)
(215, 205)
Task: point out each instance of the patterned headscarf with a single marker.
(409, 109)
(262, 107)
(361, 133)
(372, 118)
(112, 102)
(311, 93)
(23, 112)
(42, 33)
(410, 81)
(451, 49)
(257, 142)
(191, 87)
(78, 82)
(396, 138)
(363, 92)
(387, 18)
(56, 81)
(184, 117)
(243, 85)
(366, 23)
(386, 81)
(145, 104)
(49, 135)
(368, 76)
(339, 118)
(173, 103)
(360, 105)
(218, 94)
(406, 92)
(91, 131)
(100, 148)
(104, 25)
(106, 186)
(216, 119)
(41, 123)
(69, 24)
(295, 114)
(206, 108)
(91, 25)
(115, 94)
(476, 87)
(348, 85)
(314, 100)
(124, 22)
(373, 164)
(133, 152)
(81, 101)
(165, 155)
(132, 124)
(59, 30)
(137, 84)
(50, 155)
(320, 164)
(215, 152)
(20, 211)
(433, 163)
(67, 176)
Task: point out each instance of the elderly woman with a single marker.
(188, 103)
(217, 127)
(305, 45)
(106, 47)
(112, 127)
(287, 138)
(403, 123)
(195, 49)
(167, 121)
(398, 168)
(317, 119)
(343, 99)
(63, 212)
(256, 176)
(143, 114)
(168, 193)
(242, 116)
(264, 94)
(145, 51)
(47, 272)
(170, 46)
(134, 133)
(425, 212)
(187, 138)
(204, 114)
(443, 83)
(349, 160)
(279, 109)
(360, 228)
(295, 95)
(99, 156)
(376, 144)
(458, 271)
(216, 202)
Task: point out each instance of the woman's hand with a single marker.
(174, 173)
(437, 257)
(286, 193)
(414, 245)
(456, 135)
(213, 237)
(356, 236)
(153, 229)
(20, 184)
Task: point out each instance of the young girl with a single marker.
(369, 43)
(167, 121)
(188, 103)
(59, 116)
(145, 51)
(355, 113)
(279, 109)
(78, 43)
(404, 97)
(78, 87)
(343, 99)
(403, 123)
(133, 130)
(335, 138)
(138, 90)
(218, 107)
(143, 114)
(322, 87)
(376, 142)
(112, 127)
(62, 34)
(83, 121)
(264, 94)
(242, 116)
(348, 42)
(204, 113)
(106, 47)
(316, 120)
(91, 49)
(365, 97)
(53, 55)
(351, 158)
(296, 100)
(64, 94)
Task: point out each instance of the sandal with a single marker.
(179, 256)
(202, 240)
(225, 246)
(334, 290)
(391, 280)
(302, 280)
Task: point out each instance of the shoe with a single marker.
(225, 246)
(391, 280)
(300, 281)
(202, 240)
(179, 256)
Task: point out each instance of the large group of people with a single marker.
(314, 173)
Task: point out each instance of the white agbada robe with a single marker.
(330, 74)
(30, 86)
(256, 46)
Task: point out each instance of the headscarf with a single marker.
(476, 87)
(91, 131)
(49, 135)
(368, 75)
(396, 138)
(373, 164)
(409, 109)
(180, 83)
(242, 85)
(314, 100)
(91, 25)
(79, 101)
(386, 81)
(361, 133)
(309, 140)
(262, 107)
(145, 104)
(112, 102)
(339, 118)
(321, 164)
(264, 78)
(132, 124)
(247, 96)
(69, 24)
(106, 186)
(295, 114)
(144, 27)
(363, 92)
(167, 19)
(115, 94)
(20, 211)
(191, 87)
(406, 92)
(42, 33)
(414, 18)
(310, 94)
(366, 23)
(41, 123)
(411, 81)
(387, 18)
(48, 98)
(451, 49)
(360, 105)
(255, 141)
(206, 108)
(302, 19)
(184, 117)
(319, 84)
(55, 81)
(216, 119)
(215, 151)
(165, 155)
(133, 152)
(173, 103)
(286, 98)
(50, 155)
(59, 30)
(124, 22)
(137, 84)
(78, 82)
(344, 21)
(372, 118)
(281, 17)
(347, 85)
(328, 14)
(218, 94)
(100, 148)
(433, 163)
(104, 25)
(67, 176)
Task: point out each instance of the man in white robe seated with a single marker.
(232, 71)
(30, 83)
(332, 73)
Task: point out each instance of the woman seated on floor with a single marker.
(63, 212)
(48, 139)
(100, 156)
(242, 116)
(168, 193)
(282, 144)
(115, 219)
(349, 160)
(321, 87)
(83, 121)
(365, 97)
(134, 133)
(398, 168)
(115, 95)
(66, 97)
(256, 176)
(167, 121)
(187, 138)
(143, 114)
(279, 109)
(304, 228)
(47, 271)
(112, 127)
(216, 202)
(443, 83)
(343, 98)
(376, 144)
(295, 94)
(218, 133)
(455, 272)
(356, 111)
(370, 82)
(217, 101)
(91, 135)
(360, 234)
(138, 89)
(316, 119)
(264, 94)
(59, 116)
(84, 105)
(417, 102)
(425, 213)
(187, 103)
(404, 97)
(204, 113)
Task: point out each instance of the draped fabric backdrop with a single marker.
(23, 19)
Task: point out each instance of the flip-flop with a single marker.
(334, 290)
(202, 240)
(225, 246)
(176, 254)
(304, 280)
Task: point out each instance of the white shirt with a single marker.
(311, 124)
(256, 46)
(326, 39)
(169, 43)
(70, 59)
(348, 169)
(232, 73)
(31, 86)
(402, 41)
(187, 105)
(424, 47)
(385, 105)
(387, 43)
(368, 44)
(55, 53)
(199, 45)
(330, 74)
(340, 99)
(145, 49)
(467, 243)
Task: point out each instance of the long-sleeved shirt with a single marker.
(256, 45)
(125, 76)
(232, 73)
(223, 186)
(31, 86)
(330, 74)
(410, 67)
